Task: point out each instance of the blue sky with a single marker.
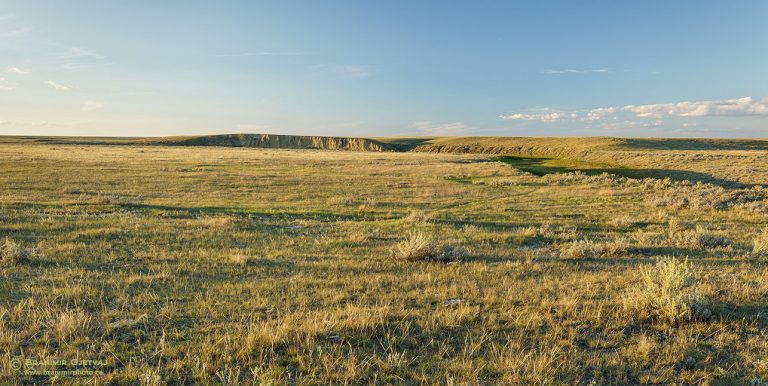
(374, 68)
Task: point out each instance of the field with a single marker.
(174, 265)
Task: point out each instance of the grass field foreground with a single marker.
(231, 265)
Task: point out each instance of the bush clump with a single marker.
(419, 247)
(11, 253)
(579, 249)
(699, 238)
(419, 217)
(667, 293)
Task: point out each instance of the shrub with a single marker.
(579, 249)
(418, 217)
(503, 182)
(699, 238)
(705, 196)
(418, 247)
(614, 248)
(667, 293)
(12, 253)
(760, 243)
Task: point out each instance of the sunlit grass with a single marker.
(211, 265)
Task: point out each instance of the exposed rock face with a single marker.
(281, 142)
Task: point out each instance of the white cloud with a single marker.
(91, 106)
(739, 107)
(746, 106)
(575, 71)
(15, 33)
(553, 116)
(57, 86)
(599, 113)
(432, 128)
(16, 70)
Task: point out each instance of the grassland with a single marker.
(176, 265)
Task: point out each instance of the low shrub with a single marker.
(579, 249)
(667, 293)
(419, 217)
(11, 253)
(698, 238)
(419, 247)
(613, 248)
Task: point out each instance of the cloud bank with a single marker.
(738, 107)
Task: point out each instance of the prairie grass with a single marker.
(183, 265)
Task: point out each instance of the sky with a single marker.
(385, 68)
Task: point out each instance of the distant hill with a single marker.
(565, 146)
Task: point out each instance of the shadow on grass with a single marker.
(405, 144)
(738, 312)
(195, 212)
(541, 166)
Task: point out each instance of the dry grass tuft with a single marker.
(579, 249)
(614, 248)
(699, 238)
(675, 225)
(239, 258)
(419, 217)
(760, 243)
(667, 293)
(624, 221)
(419, 247)
(71, 324)
(11, 253)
